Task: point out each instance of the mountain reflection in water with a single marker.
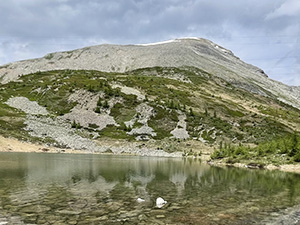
(98, 189)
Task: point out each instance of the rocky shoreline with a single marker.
(290, 216)
(291, 168)
(14, 145)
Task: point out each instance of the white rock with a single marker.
(140, 200)
(160, 202)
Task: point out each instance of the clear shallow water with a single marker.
(97, 189)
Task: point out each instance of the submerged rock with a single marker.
(140, 200)
(160, 202)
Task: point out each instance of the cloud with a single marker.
(125, 19)
(288, 8)
(253, 29)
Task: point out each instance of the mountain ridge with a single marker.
(193, 52)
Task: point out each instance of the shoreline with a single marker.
(13, 145)
(289, 168)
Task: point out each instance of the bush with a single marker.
(99, 102)
(105, 104)
(76, 125)
(296, 158)
(97, 110)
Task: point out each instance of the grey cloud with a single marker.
(288, 8)
(126, 18)
(32, 28)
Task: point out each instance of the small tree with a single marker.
(74, 124)
(178, 106)
(78, 126)
(90, 88)
(192, 112)
(296, 157)
(171, 104)
(99, 102)
(215, 114)
(221, 145)
(294, 145)
(97, 110)
(106, 105)
(206, 112)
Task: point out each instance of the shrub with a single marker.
(97, 110)
(105, 104)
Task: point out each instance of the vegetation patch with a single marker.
(278, 151)
(115, 132)
(163, 121)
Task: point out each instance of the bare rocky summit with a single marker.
(191, 52)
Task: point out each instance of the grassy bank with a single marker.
(279, 151)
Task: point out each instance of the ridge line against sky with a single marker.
(261, 32)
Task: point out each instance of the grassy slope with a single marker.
(216, 111)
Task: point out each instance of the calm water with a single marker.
(96, 189)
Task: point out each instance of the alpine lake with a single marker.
(44, 188)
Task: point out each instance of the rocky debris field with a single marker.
(27, 106)
(59, 132)
(87, 118)
(65, 136)
(130, 91)
(180, 131)
(144, 112)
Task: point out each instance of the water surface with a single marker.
(97, 189)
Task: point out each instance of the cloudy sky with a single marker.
(265, 33)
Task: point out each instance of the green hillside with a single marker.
(147, 104)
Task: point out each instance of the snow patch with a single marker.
(159, 43)
(190, 38)
(221, 48)
(170, 41)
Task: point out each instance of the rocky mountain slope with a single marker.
(194, 52)
(184, 95)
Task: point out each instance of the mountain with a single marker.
(193, 52)
(183, 94)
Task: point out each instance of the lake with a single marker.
(103, 189)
